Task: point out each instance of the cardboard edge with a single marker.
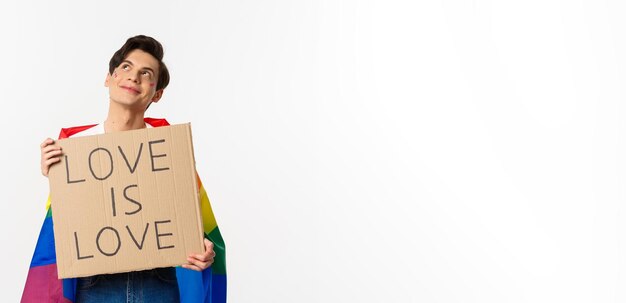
(197, 189)
(62, 267)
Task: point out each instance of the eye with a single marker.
(146, 73)
(125, 66)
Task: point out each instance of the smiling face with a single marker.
(133, 83)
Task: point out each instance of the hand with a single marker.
(201, 262)
(50, 154)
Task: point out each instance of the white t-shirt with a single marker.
(97, 130)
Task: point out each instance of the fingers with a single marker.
(205, 257)
(202, 261)
(208, 245)
(51, 161)
(48, 141)
(50, 154)
(192, 267)
(50, 148)
(198, 263)
(208, 254)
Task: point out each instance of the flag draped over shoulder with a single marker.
(208, 286)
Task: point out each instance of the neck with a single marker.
(121, 119)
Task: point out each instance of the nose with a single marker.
(133, 77)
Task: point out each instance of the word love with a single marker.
(108, 158)
(113, 249)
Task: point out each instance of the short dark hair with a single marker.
(148, 45)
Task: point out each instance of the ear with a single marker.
(157, 96)
(107, 80)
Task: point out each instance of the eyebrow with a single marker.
(148, 68)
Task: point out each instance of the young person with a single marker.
(136, 78)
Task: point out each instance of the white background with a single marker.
(357, 151)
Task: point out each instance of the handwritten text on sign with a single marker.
(127, 196)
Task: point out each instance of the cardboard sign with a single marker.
(125, 201)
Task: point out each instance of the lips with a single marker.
(131, 89)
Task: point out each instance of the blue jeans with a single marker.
(154, 285)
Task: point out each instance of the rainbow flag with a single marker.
(208, 286)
